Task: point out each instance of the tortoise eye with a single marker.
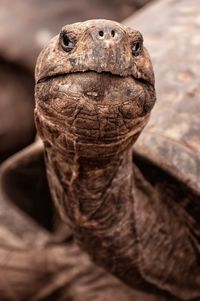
(66, 43)
(137, 48)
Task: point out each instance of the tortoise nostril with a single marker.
(113, 33)
(108, 34)
(101, 33)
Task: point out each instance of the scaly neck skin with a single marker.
(96, 199)
(103, 189)
(95, 190)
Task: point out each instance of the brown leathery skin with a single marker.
(89, 112)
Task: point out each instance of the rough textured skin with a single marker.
(89, 112)
(88, 129)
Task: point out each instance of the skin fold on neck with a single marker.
(95, 198)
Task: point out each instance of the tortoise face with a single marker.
(94, 84)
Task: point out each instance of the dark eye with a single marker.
(66, 43)
(137, 48)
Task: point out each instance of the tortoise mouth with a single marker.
(52, 76)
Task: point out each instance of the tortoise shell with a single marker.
(172, 140)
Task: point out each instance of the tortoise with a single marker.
(94, 94)
(165, 168)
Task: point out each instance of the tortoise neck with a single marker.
(102, 187)
(91, 189)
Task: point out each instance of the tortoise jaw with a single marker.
(49, 77)
(46, 78)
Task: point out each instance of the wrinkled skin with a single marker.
(81, 116)
(91, 105)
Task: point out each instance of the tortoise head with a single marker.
(94, 87)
